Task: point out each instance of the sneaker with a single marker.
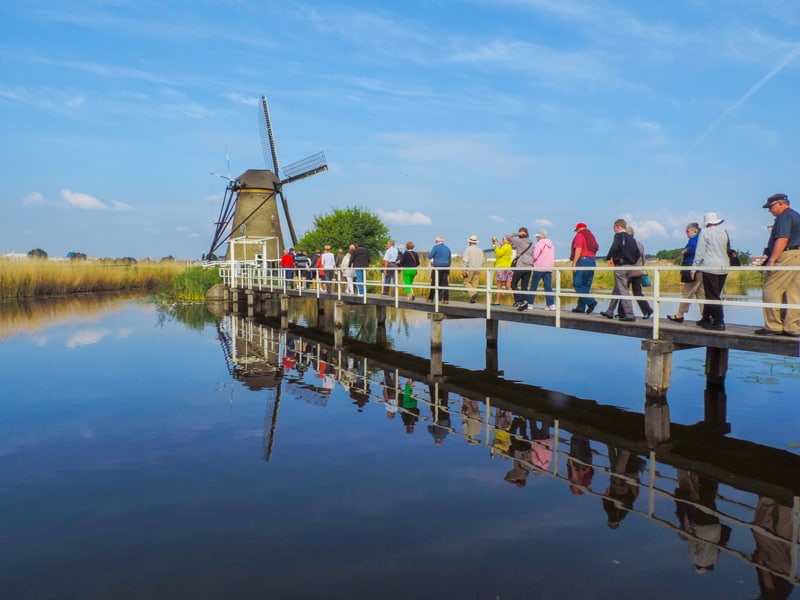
(590, 307)
(522, 306)
(702, 322)
(647, 315)
(530, 306)
(551, 307)
(714, 326)
(515, 305)
(607, 315)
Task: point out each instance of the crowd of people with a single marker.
(522, 264)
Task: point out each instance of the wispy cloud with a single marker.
(543, 223)
(403, 217)
(497, 219)
(33, 199)
(646, 229)
(757, 86)
(87, 202)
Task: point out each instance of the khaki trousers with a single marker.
(472, 281)
(692, 289)
(783, 286)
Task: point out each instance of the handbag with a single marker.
(516, 258)
(733, 255)
(646, 280)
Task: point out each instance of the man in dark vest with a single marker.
(623, 252)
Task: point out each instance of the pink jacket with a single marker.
(544, 255)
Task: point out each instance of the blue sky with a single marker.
(443, 117)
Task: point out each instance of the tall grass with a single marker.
(33, 278)
(191, 284)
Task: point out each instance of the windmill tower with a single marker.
(250, 208)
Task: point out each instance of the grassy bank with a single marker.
(33, 278)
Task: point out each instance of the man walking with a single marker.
(583, 254)
(440, 258)
(359, 260)
(389, 266)
(783, 250)
(472, 262)
(287, 263)
(623, 252)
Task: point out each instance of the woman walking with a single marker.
(712, 261)
(409, 261)
(692, 285)
(502, 263)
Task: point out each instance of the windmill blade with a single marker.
(288, 217)
(223, 221)
(267, 138)
(311, 165)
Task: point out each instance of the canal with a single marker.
(168, 452)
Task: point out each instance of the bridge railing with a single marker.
(253, 275)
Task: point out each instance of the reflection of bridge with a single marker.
(702, 456)
(660, 337)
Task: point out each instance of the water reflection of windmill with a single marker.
(250, 206)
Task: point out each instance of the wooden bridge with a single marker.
(255, 284)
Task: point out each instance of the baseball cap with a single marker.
(580, 226)
(776, 198)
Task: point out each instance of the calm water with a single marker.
(133, 447)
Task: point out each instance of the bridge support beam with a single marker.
(380, 315)
(491, 345)
(659, 367)
(715, 399)
(436, 344)
(284, 311)
(656, 420)
(338, 324)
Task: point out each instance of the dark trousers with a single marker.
(520, 280)
(442, 276)
(712, 286)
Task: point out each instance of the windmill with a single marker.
(250, 205)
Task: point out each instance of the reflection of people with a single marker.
(541, 446)
(390, 393)
(502, 424)
(771, 553)
(623, 488)
(520, 452)
(440, 413)
(579, 465)
(703, 531)
(410, 409)
(360, 389)
(471, 422)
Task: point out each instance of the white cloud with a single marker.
(87, 202)
(646, 229)
(543, 222)
(403, 217)
(497, 219)
(33, 199)
(241, 99)
(86, 338)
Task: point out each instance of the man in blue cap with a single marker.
(783, 250)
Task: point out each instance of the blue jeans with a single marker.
(582, 281)
(547, 278)
(360, 281)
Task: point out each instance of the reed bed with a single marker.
(34, 278)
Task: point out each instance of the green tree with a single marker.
(674, 255)
(37, 253)
(342, 227)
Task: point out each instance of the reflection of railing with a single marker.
(248, 275)
(379, 384)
